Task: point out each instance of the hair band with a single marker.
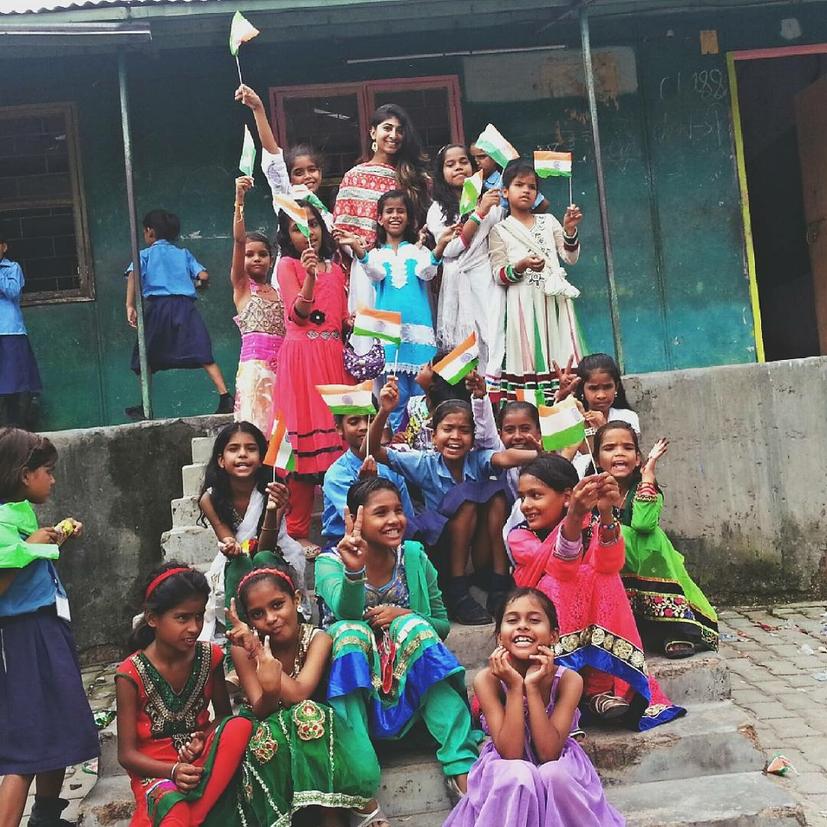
(163, 576)
(276, 572)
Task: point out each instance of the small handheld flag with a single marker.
(248, 154)
(492, 143)
(379, 324)
(562, 425)
(241, 31)
(471, 191)
(356, 400)
(279, 451)
(534, 397)
(552, 164)
(460, 361)
(299, 192)
(294, 212)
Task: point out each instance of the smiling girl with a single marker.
(575, 560)
(531, 772)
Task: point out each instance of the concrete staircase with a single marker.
(704, 769)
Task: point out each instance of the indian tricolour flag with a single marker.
(241, 30)
(562, 425)
(248, 154)
(534, 397)
(492, 143)
(294, 212)
(460, 361)
(548, 164)
(279, 451)
(379, 324)
(471, 191)
(356, 400)
(301, 193)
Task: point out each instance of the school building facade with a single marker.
(710, 121)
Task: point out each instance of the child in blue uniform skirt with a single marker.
(175, 333)
(19, 376)
(45, 721)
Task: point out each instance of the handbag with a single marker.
(365, 366)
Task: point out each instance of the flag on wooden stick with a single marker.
(248, 154)
(552, 164)
(471, 191)
(460, 361)
(241, 31)
(379, 324)
(294, 213)
(562, 425)
(356, 400)
(495, 146)
(279, 451)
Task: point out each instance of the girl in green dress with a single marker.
(301, 753)
(672, 613)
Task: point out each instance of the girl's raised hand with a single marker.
(248, 96)
(476, 385)
(567, 378)
(243, 184)
(422, 237)
(658, 450)
(278, 495)
(489, 199)
(501, 668)
(608, 495)
(352, 547)
(368, 469)
(389, 395)
(449, 234)
(187, 777)
(268, 669)
(572, 218)
(240, 634)
(584, 497)
(594, 419)
(542, 666)
(230, 547)
(309, 259)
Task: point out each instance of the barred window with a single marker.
(42, 211)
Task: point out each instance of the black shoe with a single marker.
(226, 404)
(135, 413)
(46, 812)
(501, 585)
(461, 606)
(481, 578)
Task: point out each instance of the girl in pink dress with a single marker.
(312, 288)
(576, 560)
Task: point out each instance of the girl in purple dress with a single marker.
(531, 772)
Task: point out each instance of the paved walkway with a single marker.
(778, 664)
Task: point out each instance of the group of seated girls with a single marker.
(595, 576)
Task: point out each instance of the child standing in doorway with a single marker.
(175, 334)
(19, 376)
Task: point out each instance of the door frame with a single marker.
(741, 166)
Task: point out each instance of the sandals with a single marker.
(357, 819)
(676, 649)
(607, 706)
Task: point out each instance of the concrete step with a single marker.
(109, 804)
(202, 448)
(185, 512)
(193, 544)
(732, 800)
(193, 477)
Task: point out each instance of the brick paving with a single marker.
(777, 658)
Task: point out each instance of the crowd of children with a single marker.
(443, 500)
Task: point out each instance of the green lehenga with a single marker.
(665, 600)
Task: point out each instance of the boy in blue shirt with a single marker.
(19, 376)
(346, 471)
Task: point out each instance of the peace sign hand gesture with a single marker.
(268, 669)
(241, 634)
(353, 548)
(567, 378)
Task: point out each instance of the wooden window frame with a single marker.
(85, 291)
(365, 92)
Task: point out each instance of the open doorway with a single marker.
(780, 163)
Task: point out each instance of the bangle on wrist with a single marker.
(355, 575)
(303, 299)
(172, 774)
(475, 217)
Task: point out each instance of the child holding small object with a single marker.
(45, 724)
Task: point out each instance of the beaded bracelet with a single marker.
(356, 575)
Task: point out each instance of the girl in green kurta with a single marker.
(672, 612)
(380, 599)
(301, 754)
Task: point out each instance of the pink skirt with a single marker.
(256, 378)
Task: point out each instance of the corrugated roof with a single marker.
(35, 6)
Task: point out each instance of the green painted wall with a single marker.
(673, 198)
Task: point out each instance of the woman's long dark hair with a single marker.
(411, 160)
(445, 195)
(217, 480)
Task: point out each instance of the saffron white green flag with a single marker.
(301, 193)
(356, 400)
(379, 324)
(248, 154)
(471, 191)
(279, 451)
(492, 143)
(534, 397)
(293, 211)
(548, 164)
(241, 30)
(460, 361)
(562, 425)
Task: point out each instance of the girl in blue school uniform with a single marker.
(19, 376)
(175, 333)
(45, 721)
(459, 485)
(400, 268)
